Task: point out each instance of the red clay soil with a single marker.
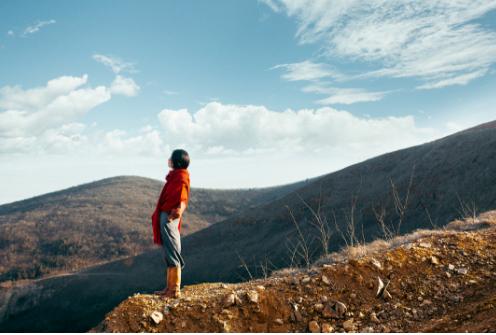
(442, 282)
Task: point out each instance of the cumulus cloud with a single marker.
(124, 86)
(34, 28)
(234, 129)
(438, 42)
(26, 114)
(120, 143)
(116, 64)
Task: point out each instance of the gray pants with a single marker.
(171, 241)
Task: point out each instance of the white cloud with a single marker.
(456, 80)
(272, 4)
(235, 129)
(116, 64)
(345, 96)
(120, 143)
(307, 70)
(167, 92)
(36, 27)
(429, 40)
(14, 97)
(10, 33)
(125, 86)
(28, 113)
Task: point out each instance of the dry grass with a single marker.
(484, 220)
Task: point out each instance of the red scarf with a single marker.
(175, 191)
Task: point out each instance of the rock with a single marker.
(157, 317)
(348, 325)
(353, 296)
(367, 330)
(327, 328)
(296, 315)
(334, 310)
(382, 289)
(295, 281)
(237, 300)
(260, 287)
(187, 299)
(448, 274)
(313, 327)
(166, 310)
(224, 326)
(374, 318)
(223, 285)
(451, 267)
(324, 299)
(425, 245)
(229, 300)
(305, 280)
(326, 280)
(252, 296)
(376, 263)
(340, 308)
(318, 307)
(462, 271)
(426, 302)
(279, 322)
(434, 260)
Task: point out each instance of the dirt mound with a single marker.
(442, 281)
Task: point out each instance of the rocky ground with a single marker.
(428, 281)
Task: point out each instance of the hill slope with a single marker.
(421, 187)
(102, 221)
(454, 289)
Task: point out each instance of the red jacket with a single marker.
(175, 191)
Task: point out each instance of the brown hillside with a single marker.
(439, 281)
(436, 182)
(102, 221)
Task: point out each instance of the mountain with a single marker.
(453, 290)
(444, 179)
(102, 221)
(418, 187)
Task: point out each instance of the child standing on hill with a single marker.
(166, 220)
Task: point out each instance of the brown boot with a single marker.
(174, 283)
(164, 291)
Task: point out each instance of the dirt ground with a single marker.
(440, 282)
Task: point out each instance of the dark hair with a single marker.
(180, 159)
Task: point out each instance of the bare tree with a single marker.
(400, 205)
(302, 246)
(380, 217)
(244, 265)
(320, 223)
(467, 209)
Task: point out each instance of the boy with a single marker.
(166, 220)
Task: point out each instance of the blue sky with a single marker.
(92, 89)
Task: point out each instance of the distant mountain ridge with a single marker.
(102, 221)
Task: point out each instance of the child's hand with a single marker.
(174, 214)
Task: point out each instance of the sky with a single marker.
(260, 93)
